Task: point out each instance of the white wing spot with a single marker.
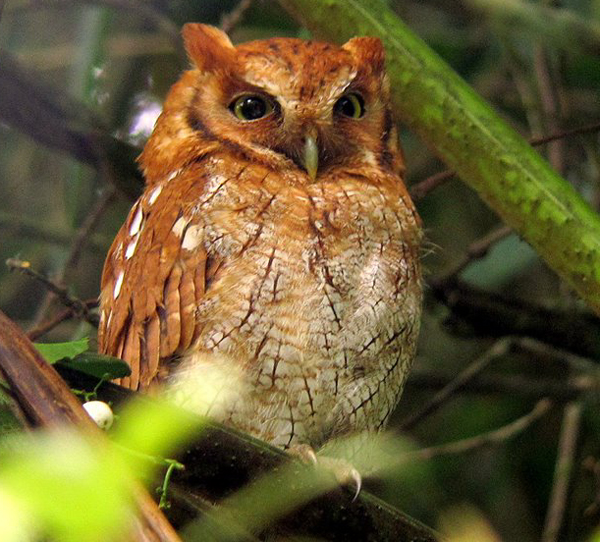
(173, 175)
(131, 247)
(136, 223)
(179, 226)
(154, 194)
(118, 284)
(192, 238)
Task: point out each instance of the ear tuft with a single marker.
(368, 50)
(207, 47)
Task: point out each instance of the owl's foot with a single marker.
(344, 472)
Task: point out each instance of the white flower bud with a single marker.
(101, 413)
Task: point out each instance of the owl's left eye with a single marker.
(350, 105)
(251, 107)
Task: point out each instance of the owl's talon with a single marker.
(304, 453)
(343, 471)
(357, 479)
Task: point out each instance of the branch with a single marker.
(445, 394)
(422, 188)
(230, 20)
(79, 308)
(494, 315)
(51, 323)
(85, 231)
(567, 448)
(522, 386)
(26, 227)
(144, 10)
(64, 124)
(476, 250)
(582, 130)
(562, 27)
(81, 238)
(223, 461)
(497, 436)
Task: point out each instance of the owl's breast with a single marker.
(318, 301)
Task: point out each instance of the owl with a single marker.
(275, 240)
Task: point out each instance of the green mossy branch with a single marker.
(434, 102)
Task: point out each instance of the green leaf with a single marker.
(97, 365)
(66, 486)
(52, 352)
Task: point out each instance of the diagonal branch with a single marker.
(80, 308)
(496, 436)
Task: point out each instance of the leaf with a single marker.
(97, 365)
(67, 486)
(53, 352)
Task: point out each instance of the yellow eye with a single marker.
(251, 107)
(350, 105)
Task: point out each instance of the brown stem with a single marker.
(51, 323)
(446, 393)
(476, 250)
(496, 436)
(230, 20)
(75, 304)
(567, 448)
(514, 385)
(420, 190)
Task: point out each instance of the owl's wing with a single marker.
(154, 278)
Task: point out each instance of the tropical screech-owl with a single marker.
(275, 237)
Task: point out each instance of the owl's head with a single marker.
(293, 104)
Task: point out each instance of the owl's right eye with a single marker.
(251, 107)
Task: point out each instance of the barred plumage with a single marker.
(284, 247)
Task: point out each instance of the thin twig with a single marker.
(492, 437)
(582, 130)
(516, 385)
(550, 105)
(445, 394)
(62, 316)
(230, 20)
(144, 10)
(75, 304)
(476, 250)
(592, 466)
(573, 361)
(567, 449)
(84, 232)
(81, 238)
(421, 189)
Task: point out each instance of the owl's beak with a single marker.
(311, 155)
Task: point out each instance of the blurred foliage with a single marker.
(109, 63)
(68, 486)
